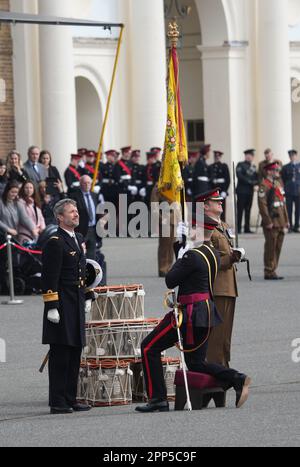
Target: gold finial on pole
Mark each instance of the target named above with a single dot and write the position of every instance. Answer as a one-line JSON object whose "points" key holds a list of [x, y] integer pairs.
{"points": [[173, 34]]}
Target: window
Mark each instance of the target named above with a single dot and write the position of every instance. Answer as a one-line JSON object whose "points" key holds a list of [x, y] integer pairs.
{"points": [[195, 132]]}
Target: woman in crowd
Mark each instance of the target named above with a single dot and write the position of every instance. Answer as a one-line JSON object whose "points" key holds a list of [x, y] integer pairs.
{"points": [[49, 201], [30, 201], [3, 176], [46, 160], [12, 213], [15, 171]]}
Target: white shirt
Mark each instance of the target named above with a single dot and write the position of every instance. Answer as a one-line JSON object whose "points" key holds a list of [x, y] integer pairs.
{"points": [[72, 235]]}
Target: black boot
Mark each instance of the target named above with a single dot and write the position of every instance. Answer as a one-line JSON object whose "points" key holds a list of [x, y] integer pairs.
{"points": [[154, 405], [241, 387]]}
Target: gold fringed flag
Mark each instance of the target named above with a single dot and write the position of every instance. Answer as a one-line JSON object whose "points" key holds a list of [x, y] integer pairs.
{"points": [[175, 150]]}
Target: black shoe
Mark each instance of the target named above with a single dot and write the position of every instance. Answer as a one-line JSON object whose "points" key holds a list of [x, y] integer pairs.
{"points": [[60, 410], [162, 274], [242, 390], [274, 278], [249, 232], [81, 407], [155, 405]]}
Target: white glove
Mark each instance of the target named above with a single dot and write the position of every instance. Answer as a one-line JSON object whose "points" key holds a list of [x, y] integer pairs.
{"points": [[241, 252], [143, 192], [97, 189], [183, 251], [224, 194], [133, 190], [75, 185], [182, 230], [53, 316], [88, 306]]}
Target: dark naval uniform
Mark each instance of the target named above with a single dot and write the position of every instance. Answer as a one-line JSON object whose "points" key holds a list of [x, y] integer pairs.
{"points": [[194, 274], [291, 180], [247, 180], [63, 283]]}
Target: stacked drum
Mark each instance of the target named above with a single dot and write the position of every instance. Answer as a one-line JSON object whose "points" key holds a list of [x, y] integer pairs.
{"points": [[111, 370]]}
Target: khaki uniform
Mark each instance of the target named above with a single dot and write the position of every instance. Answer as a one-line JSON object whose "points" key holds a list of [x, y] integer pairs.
{"points": [[273, 211], [225, 294]]}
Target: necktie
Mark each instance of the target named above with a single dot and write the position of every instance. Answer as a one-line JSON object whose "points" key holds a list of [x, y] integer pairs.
{"points": [[36, 169], [90, 209], [75, 240]]}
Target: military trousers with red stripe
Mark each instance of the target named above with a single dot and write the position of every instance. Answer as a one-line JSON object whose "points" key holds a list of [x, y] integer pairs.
{"points": [[165, 336]]}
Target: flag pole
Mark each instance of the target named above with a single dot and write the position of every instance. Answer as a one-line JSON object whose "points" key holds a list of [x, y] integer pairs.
{"points": [[173, 35], [107, 108]]}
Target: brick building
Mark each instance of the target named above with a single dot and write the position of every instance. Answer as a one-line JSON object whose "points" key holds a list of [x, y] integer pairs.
{"points": [[7, 118]]}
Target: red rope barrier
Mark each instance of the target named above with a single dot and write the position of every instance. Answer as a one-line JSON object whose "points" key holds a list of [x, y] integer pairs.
{"points": [[3, 246], [27, 250]]}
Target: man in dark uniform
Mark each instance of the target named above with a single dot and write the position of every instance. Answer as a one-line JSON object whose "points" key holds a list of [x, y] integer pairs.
{"points": [[201, 182], [188, 174], [73, 173], [247, 180], [66, 301], [138, 175], [157, 164], [106, 177], [89, 167], [194, 274], [219, 176], [272, 208], [291, 180], [150, 176]]}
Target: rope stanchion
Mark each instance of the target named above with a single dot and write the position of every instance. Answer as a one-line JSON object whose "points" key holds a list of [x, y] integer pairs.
{"points": [[27, 250], [12, 300]]}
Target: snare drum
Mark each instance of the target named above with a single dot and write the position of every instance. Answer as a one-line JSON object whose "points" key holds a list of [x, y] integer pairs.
{"points": [[106, 383], [117, 339], [170, 366], [119, 302]]}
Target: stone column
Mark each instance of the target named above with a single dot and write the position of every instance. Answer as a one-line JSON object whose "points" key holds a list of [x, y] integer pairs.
{"points": [[273, 76], [147, 73], [58, 99]]}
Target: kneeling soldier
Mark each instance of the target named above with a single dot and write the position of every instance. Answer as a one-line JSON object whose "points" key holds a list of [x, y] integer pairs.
{"points": [[194, 274]]}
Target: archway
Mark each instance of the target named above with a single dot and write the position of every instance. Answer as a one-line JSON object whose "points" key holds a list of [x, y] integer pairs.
{"points": [[89, 114]]}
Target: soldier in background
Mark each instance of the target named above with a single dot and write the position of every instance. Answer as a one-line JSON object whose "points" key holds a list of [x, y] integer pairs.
{"points": [[247, 180], [272, 207], [291, 180], [219, 176], [201, 182], [106, 177], [157, 164], [150, 176], [90, 161], [138, 175], [188, 174], [73, 173]]}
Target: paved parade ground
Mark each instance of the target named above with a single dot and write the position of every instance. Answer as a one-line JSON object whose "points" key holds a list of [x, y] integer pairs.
{"points": [[267, 321]]}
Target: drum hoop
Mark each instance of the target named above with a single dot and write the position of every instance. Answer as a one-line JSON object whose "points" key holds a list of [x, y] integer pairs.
{"points": [[121, 323]]}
